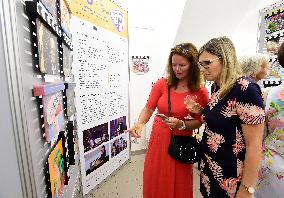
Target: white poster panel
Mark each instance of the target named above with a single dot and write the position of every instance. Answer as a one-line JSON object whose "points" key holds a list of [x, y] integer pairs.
{"points": [[101, 72]]}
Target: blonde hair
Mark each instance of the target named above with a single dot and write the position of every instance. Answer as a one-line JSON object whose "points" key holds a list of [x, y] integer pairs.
{"points": [[190, 53], [251, 63], [224, 48]]}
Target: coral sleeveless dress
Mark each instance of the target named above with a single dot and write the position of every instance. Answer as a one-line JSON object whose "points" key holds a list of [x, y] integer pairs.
{"points": [[163, 176]]}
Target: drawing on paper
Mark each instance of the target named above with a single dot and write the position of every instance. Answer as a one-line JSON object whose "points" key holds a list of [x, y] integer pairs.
{"points": [[53, 115], [56, 169]]}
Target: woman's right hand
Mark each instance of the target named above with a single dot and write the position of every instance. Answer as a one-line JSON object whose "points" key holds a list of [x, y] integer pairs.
{"points": [[136, 130], [192, 105]]}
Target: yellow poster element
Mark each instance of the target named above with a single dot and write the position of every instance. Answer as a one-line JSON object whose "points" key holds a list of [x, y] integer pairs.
{"points": [[103, 13]]}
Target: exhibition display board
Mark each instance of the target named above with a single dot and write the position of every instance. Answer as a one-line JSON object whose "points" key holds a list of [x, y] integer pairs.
{"points": [[100, 40], [270, 36], [72, 82], [46, 92], [67, 75]]}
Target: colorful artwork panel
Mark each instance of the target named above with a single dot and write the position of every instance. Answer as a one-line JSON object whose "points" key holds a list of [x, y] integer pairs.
{"points": [[47, 50], [65, 16], [57, 170], [117, 126], [118, 145], [51, 7], [96, 158], [275, 23], [95, 136], [53, 115], [47, 89]]}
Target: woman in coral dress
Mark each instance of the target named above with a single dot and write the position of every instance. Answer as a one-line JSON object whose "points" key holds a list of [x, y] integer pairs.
{"points": [[163, 176]]}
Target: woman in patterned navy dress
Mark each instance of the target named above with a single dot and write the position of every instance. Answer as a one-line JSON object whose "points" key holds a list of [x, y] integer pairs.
{"points": [[234, 126]]}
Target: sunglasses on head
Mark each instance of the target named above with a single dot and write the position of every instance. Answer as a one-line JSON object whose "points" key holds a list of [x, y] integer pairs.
{"points": [[183, 48], [205, 64]]}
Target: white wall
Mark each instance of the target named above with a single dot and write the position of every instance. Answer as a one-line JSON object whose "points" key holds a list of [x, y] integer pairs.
{"points": [[152, 30], [154, 26], [237, 19]]}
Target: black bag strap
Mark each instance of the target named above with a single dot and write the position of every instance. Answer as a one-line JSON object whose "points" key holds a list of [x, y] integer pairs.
{"points": [[169, 102], [170, 109]]}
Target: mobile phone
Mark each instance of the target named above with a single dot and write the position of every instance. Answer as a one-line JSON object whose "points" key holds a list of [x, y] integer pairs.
{"points": [[162, 116]]}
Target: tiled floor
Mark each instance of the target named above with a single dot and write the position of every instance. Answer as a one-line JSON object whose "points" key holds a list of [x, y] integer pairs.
{"points": [[127, 182]]}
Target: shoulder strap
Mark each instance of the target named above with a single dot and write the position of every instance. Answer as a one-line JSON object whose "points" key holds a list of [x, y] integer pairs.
{"points": [[169, 102]]}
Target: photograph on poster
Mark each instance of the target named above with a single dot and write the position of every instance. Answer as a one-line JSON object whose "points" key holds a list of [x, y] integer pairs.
{"points": [[95, 136], [47, 50], [65, 16], [53, 115], [140, 64], [67, 61], [96, 158], [50, 5], [117, 127], [56, 169], [118, 145]]}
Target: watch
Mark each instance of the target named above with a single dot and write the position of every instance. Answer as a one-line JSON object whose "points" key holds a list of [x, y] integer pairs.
{"points": [[183, 126], [249, 189]]}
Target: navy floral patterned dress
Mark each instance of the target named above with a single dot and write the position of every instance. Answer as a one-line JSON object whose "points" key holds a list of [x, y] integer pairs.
{"points": [[223, 142]]}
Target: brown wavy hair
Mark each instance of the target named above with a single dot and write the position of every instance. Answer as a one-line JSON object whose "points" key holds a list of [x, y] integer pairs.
{"points": [[190, 52]]}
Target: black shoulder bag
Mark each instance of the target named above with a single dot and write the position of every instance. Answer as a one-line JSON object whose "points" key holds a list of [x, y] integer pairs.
{"points": [[185, 149]]}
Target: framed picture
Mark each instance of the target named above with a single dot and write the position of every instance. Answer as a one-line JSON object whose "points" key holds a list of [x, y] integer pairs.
{"points": [[65, 16], [51, 6], [275, 22], [67, 61], [70, 142], [53, 115], [140, 64], [47, 50], [69, 99], [52, 108], [57, 168]]}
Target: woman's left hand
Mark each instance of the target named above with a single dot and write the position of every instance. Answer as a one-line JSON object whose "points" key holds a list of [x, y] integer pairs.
{"points": [[173, 122]]}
